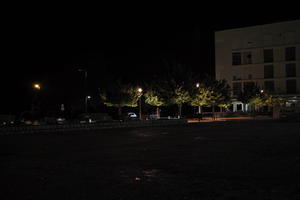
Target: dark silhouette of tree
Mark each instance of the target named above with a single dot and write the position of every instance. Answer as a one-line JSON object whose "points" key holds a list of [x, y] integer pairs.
{"points": [[249, 91]]}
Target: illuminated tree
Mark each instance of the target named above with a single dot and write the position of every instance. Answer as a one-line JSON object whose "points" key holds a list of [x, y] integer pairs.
{"points": [[211, 93], [177, 82], [265, 99], [119, 95], [275, 102], [153, 98], [180, 97], [201, 97]]}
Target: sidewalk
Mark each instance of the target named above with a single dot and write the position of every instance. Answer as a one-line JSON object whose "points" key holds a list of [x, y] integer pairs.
{"points": [[209, 119]]}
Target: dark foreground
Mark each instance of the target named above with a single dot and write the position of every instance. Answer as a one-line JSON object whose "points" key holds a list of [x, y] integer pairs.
{"points": [[224, 160]]}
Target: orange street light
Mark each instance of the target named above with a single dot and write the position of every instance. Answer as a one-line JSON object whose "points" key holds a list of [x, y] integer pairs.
{"points": [[37, 86], [140, 90]]}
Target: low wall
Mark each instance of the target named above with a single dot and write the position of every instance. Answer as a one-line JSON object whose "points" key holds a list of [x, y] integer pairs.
{"points": [[95, 126]]}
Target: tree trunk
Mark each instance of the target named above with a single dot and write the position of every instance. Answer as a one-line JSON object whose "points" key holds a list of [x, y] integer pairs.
{"points": [[179, 110], [213, 112], [199, 110], [276, 112], [119, 112], [221, 112], [157, 112]]}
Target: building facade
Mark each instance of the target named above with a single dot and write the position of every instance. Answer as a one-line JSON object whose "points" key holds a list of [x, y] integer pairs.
{"points": [[265, 55]]}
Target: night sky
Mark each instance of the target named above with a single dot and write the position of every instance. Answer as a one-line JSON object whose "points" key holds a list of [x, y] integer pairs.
{"points": [[50, 52]]}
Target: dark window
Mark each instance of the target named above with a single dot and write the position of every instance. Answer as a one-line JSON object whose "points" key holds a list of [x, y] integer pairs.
{"points": [[236, 59], [268, 55], [290, 53], [247, 58], [290, 70], [269, 86], [291, 86], [236, 88], [249, 76], [268, 71]]}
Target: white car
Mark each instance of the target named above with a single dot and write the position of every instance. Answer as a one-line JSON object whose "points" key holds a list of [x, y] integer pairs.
{"points": [[131, 115], [60, 120]]}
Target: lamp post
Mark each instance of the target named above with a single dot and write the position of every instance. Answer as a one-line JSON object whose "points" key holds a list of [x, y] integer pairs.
{"points": [[199, 108], [35, 106], [85, 88], [86, 102], [140, 90]]}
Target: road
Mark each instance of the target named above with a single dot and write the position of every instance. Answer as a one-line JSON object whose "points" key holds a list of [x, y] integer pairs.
{"points": [[221, 160]]}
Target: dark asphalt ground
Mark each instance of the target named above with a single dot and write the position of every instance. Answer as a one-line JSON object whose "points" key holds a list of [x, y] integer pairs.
{"points": [[221, 160]]}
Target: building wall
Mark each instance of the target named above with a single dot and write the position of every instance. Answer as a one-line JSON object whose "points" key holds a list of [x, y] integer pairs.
{"points": [[255, 40]]}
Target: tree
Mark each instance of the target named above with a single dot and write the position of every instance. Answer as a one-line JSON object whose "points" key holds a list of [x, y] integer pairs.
{"points": [[249, 92], [153, 98], [258, 100], [212, 93], [265, 99], [120, 95], [275, 102], [201, 97], [177, 79], [222, 91], [180, 97]]}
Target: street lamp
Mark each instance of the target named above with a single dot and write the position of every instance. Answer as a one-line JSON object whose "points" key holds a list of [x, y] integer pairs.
{"points": [[86, 102], [37, 86], [140, 90], [199, 109]]}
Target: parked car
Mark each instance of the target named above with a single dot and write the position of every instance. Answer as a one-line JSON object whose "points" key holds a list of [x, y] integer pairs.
{"points": [[61, 120], [153, 116], [131, 115]]}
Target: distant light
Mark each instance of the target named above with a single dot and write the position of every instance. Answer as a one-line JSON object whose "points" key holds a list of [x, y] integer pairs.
{"points": [[140, 90], [261, 91], [197, 85], [37, 86], [88, 97]]}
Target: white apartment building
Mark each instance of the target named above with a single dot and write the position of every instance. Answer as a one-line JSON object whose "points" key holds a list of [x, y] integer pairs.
{"points": [[266, 55]]}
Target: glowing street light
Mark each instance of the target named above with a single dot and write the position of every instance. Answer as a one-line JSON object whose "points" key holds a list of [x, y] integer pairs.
{"points": [[37, 86], [86, 102], [140, 90], [199, 108], [261, 91]]}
